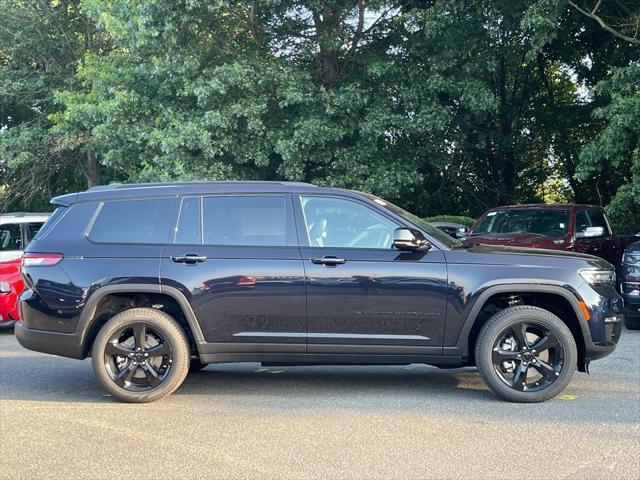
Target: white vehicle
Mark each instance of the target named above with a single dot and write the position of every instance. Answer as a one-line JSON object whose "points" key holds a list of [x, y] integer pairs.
{"points": [[16, 231]]}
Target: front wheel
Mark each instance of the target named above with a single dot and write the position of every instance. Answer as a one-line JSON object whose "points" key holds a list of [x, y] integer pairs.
{"points": [[526, 354], [141, 355]]}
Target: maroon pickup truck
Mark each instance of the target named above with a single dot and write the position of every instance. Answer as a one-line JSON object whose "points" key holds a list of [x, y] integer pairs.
{"points": [[578, 228]]}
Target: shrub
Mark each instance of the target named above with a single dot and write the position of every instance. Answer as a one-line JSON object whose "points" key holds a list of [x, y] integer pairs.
{"points": [[468, 221]]}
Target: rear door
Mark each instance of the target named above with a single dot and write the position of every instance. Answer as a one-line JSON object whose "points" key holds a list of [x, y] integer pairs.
{"points": [[236, 259]]}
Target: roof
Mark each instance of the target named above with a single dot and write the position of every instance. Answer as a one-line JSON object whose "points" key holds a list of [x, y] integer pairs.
{"points": [[150, 190], [23, 217]]}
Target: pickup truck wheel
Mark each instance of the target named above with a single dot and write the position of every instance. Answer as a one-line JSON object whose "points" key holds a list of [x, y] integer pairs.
{"points": [[526, 354], [141, 355]]}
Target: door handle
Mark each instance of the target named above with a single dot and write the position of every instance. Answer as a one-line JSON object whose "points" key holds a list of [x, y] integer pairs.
{"points": [[328, 261], [189, 258]]}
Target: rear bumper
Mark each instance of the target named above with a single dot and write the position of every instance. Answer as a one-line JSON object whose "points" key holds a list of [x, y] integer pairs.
{"points": [[54, 343]]}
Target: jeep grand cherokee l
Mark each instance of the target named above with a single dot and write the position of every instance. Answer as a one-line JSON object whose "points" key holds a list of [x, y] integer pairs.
{"points": [[155, 280]]}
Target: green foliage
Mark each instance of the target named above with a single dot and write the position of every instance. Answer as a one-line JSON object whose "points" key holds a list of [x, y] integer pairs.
{"points": [[617, 145], [468, 221], [442, 106]]}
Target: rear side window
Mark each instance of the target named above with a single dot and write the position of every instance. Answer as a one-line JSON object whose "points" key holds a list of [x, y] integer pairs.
{"points": [[248, 220], [10, 237], [134, 221]]}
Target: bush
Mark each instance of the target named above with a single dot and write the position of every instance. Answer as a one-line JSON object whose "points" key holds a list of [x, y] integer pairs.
{"points": [[468, 221]]}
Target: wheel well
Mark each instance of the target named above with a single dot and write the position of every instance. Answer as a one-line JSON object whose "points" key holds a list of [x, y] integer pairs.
{"points": [[114, 303], [556, 304]]}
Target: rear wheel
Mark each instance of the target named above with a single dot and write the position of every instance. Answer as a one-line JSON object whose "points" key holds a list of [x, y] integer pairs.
{"points": [[526, 354], [141, 355]]}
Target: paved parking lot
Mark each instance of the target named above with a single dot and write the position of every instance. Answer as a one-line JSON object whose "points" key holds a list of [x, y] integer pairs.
{"points": [[244, 421]]}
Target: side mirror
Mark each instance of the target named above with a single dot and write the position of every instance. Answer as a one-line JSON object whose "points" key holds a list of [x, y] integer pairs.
{"points": [[591, 232], [410, 239]]}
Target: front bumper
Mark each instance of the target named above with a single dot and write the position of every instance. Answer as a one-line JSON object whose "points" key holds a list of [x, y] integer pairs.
{"points": [[605, 323], [631, 305]]}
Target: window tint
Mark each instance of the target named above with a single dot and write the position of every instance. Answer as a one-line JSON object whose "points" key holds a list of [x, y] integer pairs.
{"points": [[335, 222], [134, 221], [597, 220], [10, 237], [188, 230], [247, 220]]}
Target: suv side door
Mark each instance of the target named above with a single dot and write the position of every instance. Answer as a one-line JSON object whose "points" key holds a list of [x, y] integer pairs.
{"points": [[363, 295], [235, 258]]}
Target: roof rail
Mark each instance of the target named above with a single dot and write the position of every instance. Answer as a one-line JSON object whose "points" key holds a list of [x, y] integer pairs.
{"points": [[121, 186]]}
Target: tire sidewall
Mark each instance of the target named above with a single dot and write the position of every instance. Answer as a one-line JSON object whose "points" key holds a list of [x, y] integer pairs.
{"points": [[496, 325], [174, 335]]}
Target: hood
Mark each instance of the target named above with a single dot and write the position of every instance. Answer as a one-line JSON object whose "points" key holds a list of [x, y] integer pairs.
{"points": [[529, 240], [499, 254]]}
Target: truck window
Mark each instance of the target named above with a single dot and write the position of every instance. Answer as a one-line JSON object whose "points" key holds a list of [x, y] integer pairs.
{"points": [[10, 237], [598, 220]]}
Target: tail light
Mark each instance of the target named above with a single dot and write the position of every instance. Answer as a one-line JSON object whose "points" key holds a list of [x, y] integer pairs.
{"points": [[41, 259]]}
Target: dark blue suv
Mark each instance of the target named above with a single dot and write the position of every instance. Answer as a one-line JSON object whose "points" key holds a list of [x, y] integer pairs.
{"points": [[155, 280]]}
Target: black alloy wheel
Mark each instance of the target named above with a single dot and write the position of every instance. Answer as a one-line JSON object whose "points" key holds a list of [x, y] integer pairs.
{"points": [[141, 355], [527, 356], [138, 357]]}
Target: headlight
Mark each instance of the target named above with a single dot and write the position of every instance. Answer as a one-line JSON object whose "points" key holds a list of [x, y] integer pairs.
{"points": [[631, 258], [598, 277], [5, 287]]}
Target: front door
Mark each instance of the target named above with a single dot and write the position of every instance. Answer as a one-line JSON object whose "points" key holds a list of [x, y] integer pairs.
{"points": [[363, 295], [236, 259]]}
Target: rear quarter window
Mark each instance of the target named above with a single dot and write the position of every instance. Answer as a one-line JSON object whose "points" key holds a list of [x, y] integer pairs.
{"points": [[145, 221]]}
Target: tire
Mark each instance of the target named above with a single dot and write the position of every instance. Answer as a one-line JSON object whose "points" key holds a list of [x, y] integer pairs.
{"points": [[135, 374], [632, 323], [500, 347], [196, 365]]}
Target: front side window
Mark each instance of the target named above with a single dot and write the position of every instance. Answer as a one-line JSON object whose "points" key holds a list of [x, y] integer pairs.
{"points": [[10, 237], [248, 221], [596, 217], [336, 222], [134, 221]]}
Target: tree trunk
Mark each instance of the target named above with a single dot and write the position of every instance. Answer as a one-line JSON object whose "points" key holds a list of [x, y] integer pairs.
{"points": [[92, 170]]}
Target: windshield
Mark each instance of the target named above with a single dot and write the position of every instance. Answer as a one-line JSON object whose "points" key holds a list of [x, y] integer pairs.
{"points": [[418, 222], [550, 222]]}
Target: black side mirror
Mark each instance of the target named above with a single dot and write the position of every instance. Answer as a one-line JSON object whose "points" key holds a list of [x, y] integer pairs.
{"points": [[410, 239]]}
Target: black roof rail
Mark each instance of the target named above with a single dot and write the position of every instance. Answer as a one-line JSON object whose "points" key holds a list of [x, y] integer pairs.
{"points": [[121, 186]]}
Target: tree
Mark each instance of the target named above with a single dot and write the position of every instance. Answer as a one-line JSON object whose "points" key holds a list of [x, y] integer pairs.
{"points": [[41, 44]]}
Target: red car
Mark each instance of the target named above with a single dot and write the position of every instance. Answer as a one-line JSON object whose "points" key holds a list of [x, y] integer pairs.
{"points": [[573, 227], [16, 231]]}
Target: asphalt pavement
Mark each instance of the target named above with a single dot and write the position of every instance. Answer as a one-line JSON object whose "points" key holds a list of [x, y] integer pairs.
{"points": [[246, 421]]}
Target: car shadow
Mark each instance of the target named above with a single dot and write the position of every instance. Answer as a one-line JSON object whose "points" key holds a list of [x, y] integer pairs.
{"points": [[34, 377]]}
